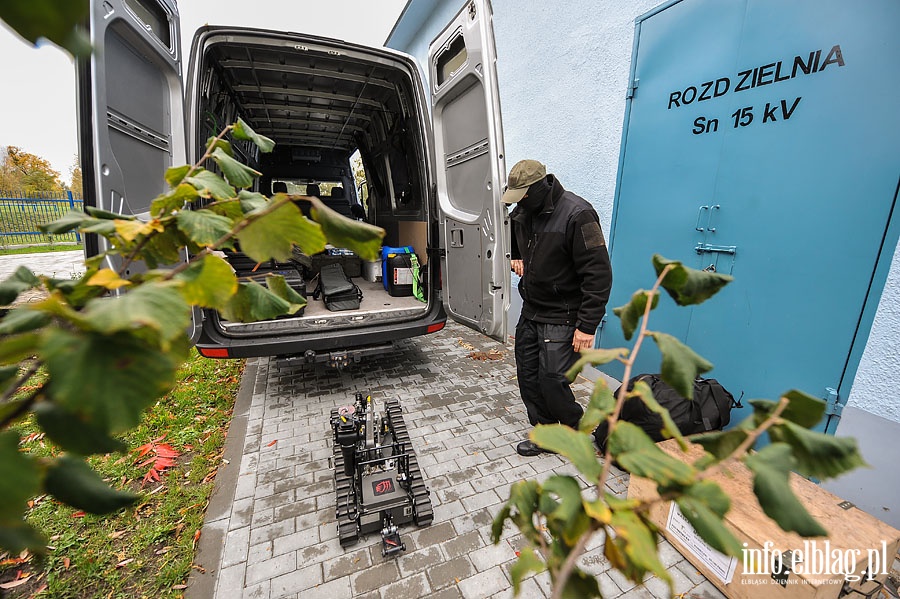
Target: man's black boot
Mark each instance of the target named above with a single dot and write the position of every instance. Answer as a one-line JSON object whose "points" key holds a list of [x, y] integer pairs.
{"points": [[528, 449]]}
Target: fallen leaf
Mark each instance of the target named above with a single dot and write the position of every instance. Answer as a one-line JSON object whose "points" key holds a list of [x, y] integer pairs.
{"points": [[151, 475], [179, 587], [483, 356], [211, 475], [196, 538], [15, 583], [78, 515], [66, 563], [117, 534], [163, 463], [166, 451], [272, 443], [124, 562]]}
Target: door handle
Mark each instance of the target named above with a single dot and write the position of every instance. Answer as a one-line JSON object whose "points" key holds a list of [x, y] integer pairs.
{"points": [[697, 227], [709, 222]]}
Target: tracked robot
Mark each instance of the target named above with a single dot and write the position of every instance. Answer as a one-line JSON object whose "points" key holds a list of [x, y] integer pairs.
{"points": [[377, 477]]}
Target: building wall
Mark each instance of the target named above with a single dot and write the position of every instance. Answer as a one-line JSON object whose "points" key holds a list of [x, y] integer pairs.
{"points": [[563, 75], [876, 388]]}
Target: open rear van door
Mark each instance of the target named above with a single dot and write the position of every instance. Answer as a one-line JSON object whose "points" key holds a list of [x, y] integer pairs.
{"points": [[471, 171], [130, 107]]}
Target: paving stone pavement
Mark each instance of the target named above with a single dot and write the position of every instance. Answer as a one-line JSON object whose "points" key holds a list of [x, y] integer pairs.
{"points": [[271, 532], [53, 264]]}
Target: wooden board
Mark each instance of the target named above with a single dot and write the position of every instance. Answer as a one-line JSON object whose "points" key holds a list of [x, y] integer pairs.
{"points": [[855, 538]]}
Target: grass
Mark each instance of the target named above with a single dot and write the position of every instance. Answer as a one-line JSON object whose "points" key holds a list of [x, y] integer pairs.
{"points": [[146, 550], [40, 249]]}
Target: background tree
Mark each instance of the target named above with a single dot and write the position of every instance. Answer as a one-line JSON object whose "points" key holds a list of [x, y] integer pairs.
{"points": [[24, 171], [75, 172]]}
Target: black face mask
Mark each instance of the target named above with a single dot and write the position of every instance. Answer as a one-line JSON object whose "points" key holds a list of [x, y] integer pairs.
{"points": [[537, 194]]}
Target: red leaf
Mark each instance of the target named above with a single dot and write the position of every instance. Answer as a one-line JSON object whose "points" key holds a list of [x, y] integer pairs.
{"points": [[163, 463], [78, 515], [66, 563], [272, 443], [146, 462], [144, 449], [166, 451]]}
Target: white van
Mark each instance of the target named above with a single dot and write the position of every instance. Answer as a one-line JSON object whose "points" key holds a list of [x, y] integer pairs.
{"points": [[433, 161]]}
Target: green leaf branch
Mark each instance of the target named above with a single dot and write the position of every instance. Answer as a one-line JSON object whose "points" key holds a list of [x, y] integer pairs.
{"points": [[558, 520], [87, 359]]}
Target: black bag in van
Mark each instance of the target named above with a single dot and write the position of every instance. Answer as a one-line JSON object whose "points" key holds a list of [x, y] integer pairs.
{"points": [[293, 276], [338, 292], [709, 410]]}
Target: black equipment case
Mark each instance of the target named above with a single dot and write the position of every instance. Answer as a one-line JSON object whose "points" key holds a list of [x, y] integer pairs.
{"points": [[247, 270], [338, 292]]}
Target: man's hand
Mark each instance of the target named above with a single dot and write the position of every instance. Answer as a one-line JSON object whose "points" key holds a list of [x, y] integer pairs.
{"points": [[518, 267], [582, 341]]}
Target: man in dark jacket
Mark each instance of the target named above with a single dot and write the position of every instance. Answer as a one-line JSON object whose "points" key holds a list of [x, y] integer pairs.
{"points": [[559, 251]]}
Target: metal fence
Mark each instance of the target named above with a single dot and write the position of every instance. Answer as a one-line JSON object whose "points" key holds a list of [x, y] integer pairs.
{"points": [[21, 217]]}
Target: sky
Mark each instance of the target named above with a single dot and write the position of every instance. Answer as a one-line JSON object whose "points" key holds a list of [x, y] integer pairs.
{"points": [[37, 106]]}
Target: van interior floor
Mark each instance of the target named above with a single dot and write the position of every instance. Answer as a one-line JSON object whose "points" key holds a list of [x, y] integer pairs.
{"points": [[375, 299]]}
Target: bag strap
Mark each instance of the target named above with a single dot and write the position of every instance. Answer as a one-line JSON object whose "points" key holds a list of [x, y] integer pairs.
{"points": [[417, 289]]}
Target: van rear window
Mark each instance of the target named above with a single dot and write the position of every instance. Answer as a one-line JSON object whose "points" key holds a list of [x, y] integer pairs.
{"points": [[154, 17], [450, 60]]}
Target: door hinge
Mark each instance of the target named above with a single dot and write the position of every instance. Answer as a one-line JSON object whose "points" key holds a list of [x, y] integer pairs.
{"points": [[632, 88], [833, 404]]}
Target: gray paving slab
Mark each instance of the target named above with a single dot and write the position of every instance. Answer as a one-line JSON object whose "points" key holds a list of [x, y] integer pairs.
{"points": [[271, 532], [52, 264]]}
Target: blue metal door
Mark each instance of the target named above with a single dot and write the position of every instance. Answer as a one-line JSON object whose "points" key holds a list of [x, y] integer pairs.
{"points": [[762, 141]]}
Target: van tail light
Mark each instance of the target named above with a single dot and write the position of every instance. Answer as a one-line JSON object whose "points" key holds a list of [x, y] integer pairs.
{"points": [[434, 328], [214, 352]]}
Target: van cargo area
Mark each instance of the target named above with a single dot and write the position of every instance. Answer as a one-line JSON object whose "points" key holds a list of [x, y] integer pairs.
{"points": [[324, 103]]}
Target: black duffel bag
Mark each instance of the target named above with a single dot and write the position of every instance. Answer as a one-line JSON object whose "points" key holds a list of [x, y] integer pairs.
{"points": [[709, 410], [338, 292]]}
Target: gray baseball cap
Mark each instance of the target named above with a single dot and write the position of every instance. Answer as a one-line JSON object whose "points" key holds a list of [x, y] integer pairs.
{"points": [[521, 176]]}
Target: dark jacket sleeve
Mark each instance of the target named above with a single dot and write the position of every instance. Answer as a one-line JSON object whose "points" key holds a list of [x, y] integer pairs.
{"points": [[514, 253], [591, 260]]}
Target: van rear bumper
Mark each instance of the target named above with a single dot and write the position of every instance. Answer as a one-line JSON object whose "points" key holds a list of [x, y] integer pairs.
{"points": [[212, 344]]}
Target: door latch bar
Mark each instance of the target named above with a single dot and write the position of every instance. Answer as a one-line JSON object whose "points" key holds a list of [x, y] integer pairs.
{"points": [[704, 248]]}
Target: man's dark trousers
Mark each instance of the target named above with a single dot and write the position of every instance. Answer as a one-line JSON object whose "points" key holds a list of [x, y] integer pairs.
{"points": [[543, 355]]}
